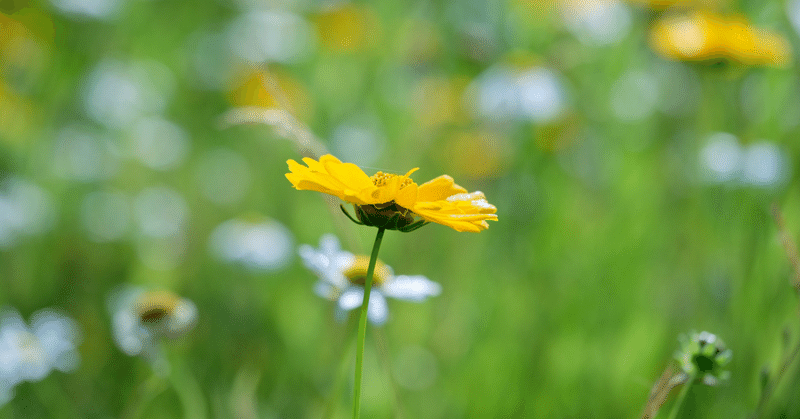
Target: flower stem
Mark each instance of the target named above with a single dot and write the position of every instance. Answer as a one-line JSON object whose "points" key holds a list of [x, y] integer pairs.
{"points": [[362, 324], [684, 391]]}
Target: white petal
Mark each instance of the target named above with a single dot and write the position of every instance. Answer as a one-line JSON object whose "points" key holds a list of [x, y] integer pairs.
{"points": [[351, 298], [329, 244], [378, 310], [327, 262], [412, 288]]}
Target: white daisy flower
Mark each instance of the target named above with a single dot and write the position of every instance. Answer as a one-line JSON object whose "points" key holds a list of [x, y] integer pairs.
{"points": [[31, 353], [259, 244], [342, 276], [140, 318]]}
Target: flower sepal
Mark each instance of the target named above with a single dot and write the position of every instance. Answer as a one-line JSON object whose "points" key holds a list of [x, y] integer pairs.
{"points": [[387, 216]]}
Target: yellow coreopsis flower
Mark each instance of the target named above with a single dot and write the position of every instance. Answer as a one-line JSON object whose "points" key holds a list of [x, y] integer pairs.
{"points": [[393, 201], [708, 36]]}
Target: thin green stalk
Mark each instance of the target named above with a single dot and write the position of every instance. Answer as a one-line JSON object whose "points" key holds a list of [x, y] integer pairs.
{"points": [[362, 323], [684, 391]]}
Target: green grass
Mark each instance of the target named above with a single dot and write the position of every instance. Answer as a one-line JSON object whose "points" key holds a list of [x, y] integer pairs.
{"points": [[570, 306]]}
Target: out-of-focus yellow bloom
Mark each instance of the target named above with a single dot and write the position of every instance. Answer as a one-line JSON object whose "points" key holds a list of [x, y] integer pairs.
{"points": [[16, 114], [477, 154], [394, 197], [347, 29], [25, 39], [438, 101], [703, 36], [252, 90], [664, 4]]}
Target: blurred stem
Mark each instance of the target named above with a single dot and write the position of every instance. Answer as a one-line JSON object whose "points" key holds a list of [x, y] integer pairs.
{"points": [[147, 392], [766, 394], [332, 405], [684, 391], [188, 390], [362, 323]]}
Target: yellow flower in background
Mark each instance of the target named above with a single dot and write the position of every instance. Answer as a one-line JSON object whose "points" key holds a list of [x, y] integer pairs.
{"points": [[392, 201], [251, 89], [348, 28], [663, 4], [476, 153], [703, 36]]}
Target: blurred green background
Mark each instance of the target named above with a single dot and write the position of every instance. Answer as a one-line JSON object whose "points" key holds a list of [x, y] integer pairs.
{"points": [[633, 195]]}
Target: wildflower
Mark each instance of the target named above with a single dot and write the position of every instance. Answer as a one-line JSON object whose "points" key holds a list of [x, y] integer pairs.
{"points": [[257, 243], [703, 36], [31, 353], [140, 318], [392, 201], [252, 89], [703, 356], [342, 275], [348, 29]]}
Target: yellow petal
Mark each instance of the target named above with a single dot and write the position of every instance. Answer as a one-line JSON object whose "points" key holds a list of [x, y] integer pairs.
{"points": [[347, 173], [438, 189], [462, 213], [407, 196]]}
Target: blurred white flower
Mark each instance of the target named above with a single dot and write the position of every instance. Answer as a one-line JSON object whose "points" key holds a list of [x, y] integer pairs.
{"points": [[793, 13], [271, 36], [762, 164], [158, 143], [262, 245], [342, 276], [141, 318], [31, 353], [118, 94], [98, 9], [765, 165], [536, 94], [597, 22], [721, 157], [25, 209]]}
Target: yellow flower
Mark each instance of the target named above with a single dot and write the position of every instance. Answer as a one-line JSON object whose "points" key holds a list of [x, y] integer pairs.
{"points": [[707, 36], [392, 201]]}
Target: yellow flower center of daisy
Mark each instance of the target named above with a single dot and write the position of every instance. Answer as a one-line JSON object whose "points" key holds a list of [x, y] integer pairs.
{"points": [[357, 271], [153, 307], [381, 179]]}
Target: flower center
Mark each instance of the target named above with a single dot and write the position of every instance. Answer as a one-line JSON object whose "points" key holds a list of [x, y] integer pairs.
{"points": [[154, 307], [357, 271], [31, 348], [381, 179], [704, 363]]}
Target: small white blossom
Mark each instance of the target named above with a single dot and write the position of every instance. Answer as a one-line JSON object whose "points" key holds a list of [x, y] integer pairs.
{"points": [[31, 353], [338, 281], [140, 318]]}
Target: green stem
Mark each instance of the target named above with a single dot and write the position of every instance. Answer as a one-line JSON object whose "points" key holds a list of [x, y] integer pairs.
{"points": [[362, 323], [684, 391]]}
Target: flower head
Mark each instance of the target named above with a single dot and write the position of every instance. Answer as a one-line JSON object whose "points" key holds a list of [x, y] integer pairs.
{"points": [[342, 275], [703, 36], [704, 356], [394, 201], [31, 353], [140, 318]]}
